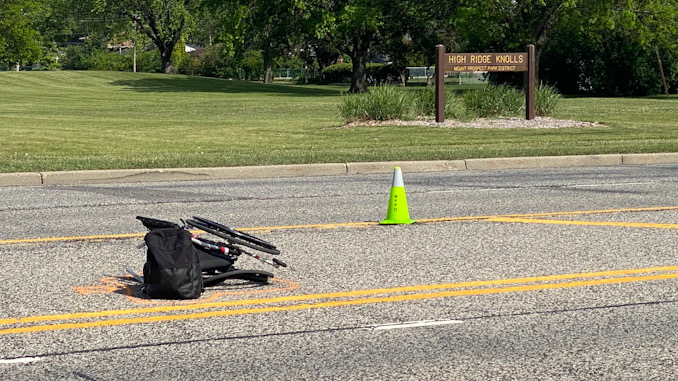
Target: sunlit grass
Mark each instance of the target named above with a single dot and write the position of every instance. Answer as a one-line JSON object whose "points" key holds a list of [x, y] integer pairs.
{"points": [[94, 120]]}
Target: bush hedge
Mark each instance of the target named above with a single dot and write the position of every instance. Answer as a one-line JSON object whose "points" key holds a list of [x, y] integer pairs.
{"points": [[383, 103], [391, 102], [83, 58]]}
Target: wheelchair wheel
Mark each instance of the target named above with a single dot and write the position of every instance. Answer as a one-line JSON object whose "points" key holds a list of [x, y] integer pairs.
{"points": [[234, 233], [230, 238]]}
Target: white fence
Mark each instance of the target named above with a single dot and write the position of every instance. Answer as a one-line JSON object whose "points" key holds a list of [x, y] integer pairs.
{"points": [[424, 73]]}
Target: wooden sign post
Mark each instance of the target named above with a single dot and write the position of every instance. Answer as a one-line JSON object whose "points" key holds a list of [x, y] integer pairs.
{"points": [[493, 62]]}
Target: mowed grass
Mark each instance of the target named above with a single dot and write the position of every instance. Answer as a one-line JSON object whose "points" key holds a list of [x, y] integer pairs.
{"points": [[98, 120]]}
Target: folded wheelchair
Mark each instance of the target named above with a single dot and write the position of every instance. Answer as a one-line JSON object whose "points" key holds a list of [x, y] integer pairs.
{"points": [[217, 257]]}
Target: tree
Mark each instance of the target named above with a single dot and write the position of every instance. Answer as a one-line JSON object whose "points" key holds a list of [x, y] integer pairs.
{"points": [[600, 46], [20, 41], [610, 49], [163, 21], [510, 25], [353, 26], [411, 31], [270, 26]]}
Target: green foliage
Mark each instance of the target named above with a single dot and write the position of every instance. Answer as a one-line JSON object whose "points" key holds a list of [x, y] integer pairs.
{"points": [[102, 60], [493, 101], [179, 54], [392, 102], [289, 61], [377, 74], [86, 58], [253, 65], [337, 73], [215, 62], [190, 65], [149, 62], [380, 74], [75, 58], [20, 41], [609, 64], [425, 101], [545, 100], [163, 22], [382, 103]]}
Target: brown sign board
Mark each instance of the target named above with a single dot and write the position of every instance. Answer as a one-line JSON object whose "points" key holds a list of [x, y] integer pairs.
{"points": [[458, 62], [485, 62]]}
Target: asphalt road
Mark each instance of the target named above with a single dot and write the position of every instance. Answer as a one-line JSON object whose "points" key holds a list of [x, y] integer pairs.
{"points": [[516, 274]]}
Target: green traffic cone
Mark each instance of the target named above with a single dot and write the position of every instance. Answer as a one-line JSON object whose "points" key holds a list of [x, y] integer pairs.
{"points": [[397, 203]]}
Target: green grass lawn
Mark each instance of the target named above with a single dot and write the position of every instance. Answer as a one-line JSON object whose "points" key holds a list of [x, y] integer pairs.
{"points": [[96, 120]]}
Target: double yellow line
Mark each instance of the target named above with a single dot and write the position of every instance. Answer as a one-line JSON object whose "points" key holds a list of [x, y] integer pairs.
{"points": [[334, 299]]}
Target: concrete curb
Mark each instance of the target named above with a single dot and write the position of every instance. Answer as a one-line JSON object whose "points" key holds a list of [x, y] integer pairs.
{"points": [[330, 169], [407, 166], [650, 158], [190, 174], [20, 179], [544, 162]]}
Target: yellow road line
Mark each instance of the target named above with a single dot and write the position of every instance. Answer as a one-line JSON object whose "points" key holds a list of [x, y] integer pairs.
{"points": [[335, 295], [336, 303], [74, 238], [553, 214], [586, 223], [348, 224]]}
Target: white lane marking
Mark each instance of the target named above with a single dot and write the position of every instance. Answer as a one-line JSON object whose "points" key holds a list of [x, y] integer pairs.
{"points": [[411, 324], [606, 184], [540, 187], [21, 360]]}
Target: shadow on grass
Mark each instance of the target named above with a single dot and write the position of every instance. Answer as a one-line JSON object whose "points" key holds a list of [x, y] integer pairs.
{"points": [[213, 85]]}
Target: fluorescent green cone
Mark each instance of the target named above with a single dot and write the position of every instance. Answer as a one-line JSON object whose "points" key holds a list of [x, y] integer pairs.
{"points": [[397, 203]]}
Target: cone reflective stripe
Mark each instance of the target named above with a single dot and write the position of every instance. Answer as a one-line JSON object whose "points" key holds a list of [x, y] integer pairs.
{"points": [[397, 203]]}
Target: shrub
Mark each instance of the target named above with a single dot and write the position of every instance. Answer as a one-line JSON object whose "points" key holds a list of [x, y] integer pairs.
{"points": [[545, 99], [213, 63], [425, 101], [103, 60], [494, 100], [190, 65], [149, 62], [75, 58], [382, 103], [253, 65], [337, 73], [380, 74]]}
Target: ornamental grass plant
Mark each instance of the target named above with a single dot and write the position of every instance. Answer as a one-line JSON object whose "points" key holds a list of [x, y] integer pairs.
{"points": [[495, 101], [395, 103], [545, 100], [425, 100], [381, 103]]}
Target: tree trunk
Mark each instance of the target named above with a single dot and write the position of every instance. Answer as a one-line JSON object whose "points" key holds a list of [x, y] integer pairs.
{"points": [[359, 58], [268, 64], [166, 58], [268, 75]]}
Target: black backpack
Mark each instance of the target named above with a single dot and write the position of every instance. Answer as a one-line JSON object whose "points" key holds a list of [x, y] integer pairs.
{"points": [[172, 269]]}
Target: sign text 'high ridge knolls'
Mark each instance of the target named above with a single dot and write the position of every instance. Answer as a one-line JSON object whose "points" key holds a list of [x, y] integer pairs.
{"points": [[486, 62]]}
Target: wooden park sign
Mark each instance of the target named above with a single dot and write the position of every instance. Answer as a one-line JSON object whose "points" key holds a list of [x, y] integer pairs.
{"points": [[493, 62]]}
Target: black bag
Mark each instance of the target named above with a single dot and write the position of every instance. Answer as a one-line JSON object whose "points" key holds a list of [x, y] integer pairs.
{"points": [[172, 269]]}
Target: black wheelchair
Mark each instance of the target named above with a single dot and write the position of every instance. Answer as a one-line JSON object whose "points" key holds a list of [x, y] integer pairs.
{"points": [[217, 258]]}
